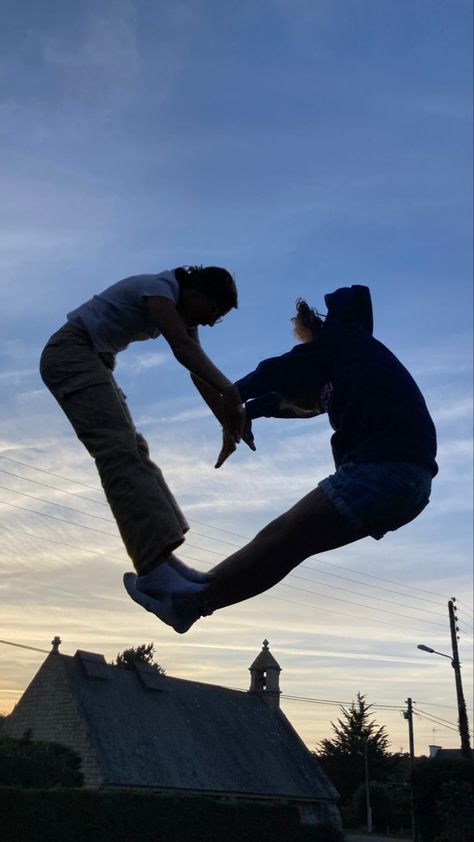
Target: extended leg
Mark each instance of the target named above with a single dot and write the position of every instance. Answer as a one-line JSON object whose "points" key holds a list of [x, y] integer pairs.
{"points": [[149, 520], [311, 526]]}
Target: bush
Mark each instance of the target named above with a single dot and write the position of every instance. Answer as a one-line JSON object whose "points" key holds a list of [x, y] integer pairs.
{"points": [[455, 812], [380, 802], [24, 763], [444, 799], [126, 816]]}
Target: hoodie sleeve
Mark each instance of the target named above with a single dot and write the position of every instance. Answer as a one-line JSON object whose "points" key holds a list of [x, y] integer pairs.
{"points": [[272, 406], [281, 374]]}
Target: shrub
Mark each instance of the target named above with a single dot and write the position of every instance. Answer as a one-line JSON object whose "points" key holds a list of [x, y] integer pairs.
{"points": [[24, 763], [81, 815]]}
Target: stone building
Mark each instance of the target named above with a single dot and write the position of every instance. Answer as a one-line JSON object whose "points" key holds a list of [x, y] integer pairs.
{"points": [[138, 728]]}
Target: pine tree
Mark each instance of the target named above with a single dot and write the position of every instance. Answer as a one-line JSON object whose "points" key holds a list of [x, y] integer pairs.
{"points": [[143, 654], [343, 757]]}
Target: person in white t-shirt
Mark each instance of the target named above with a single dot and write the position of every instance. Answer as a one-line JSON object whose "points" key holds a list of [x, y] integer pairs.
{"points": [[76, 365]]}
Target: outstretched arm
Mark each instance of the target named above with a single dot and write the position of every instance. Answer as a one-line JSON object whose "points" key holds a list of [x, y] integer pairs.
{"points": [[212, 398], [187, 350]]}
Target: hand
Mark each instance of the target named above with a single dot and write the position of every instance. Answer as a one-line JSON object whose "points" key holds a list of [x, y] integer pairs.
{"points": [[229, 445], [247, 435], [233, 413]]}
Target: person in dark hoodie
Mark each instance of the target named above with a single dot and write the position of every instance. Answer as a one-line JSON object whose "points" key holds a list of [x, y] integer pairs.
{"points": [[384, 449]]}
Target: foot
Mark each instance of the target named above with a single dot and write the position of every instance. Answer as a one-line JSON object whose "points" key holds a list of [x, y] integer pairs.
{"points": [[186, 572], [180, 611], [166, 579]]}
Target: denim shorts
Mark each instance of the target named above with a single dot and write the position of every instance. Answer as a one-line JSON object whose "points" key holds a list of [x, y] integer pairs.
{"points": [[378, 497]]}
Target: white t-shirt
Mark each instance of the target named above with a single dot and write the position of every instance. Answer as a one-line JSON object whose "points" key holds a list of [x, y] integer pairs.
{"points": [[118, 315]]}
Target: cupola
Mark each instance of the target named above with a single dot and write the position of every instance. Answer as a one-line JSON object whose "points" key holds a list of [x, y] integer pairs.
{"points": [[265, 677]]}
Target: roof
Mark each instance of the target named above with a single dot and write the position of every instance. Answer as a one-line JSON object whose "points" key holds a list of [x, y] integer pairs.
{"points": [[448, 753], [265, 660], [151, 730]]}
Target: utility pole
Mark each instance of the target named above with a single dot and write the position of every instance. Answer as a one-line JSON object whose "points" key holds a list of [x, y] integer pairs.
{"points": [[408, 714], [463, 723], [367, 787]]}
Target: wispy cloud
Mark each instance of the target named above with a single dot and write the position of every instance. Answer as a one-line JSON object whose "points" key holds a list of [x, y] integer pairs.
{"points": [[137, 363]]}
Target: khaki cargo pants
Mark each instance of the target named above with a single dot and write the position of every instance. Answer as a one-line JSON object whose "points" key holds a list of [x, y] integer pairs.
{"points": [[149, 519]]}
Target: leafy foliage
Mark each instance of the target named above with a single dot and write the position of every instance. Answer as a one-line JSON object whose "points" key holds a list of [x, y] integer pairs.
{"points": [[122, 816], [380, 802], [28, 764], [444, 799], [342, 758], [143, 654]]}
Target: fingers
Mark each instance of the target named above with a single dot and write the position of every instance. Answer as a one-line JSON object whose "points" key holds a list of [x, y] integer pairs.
{"points": [[229, 444], [247, 434], [223, 455]]}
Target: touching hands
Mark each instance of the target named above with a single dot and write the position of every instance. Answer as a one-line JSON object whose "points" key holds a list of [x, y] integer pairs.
{"points": [[233, 413], [229, 443]]}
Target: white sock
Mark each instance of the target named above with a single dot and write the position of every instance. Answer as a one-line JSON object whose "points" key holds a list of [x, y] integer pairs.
{"points": [[164, 581], [186, 572]]}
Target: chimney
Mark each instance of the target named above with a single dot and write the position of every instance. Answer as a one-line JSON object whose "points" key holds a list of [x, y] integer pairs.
{"points": [[265, 677]]}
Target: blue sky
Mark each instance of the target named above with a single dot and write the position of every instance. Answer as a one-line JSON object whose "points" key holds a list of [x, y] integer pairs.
{"points": [[304, 146]]}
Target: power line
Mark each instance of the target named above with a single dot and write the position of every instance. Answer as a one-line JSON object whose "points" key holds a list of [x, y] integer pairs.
{"points": [[87, 485], [333, 702], [201, 523], [268, 596], [236, 534], [440, 720], [192, 558], [369, 607], [207, 549], [378, 598], [108, 520], [367, 584], [23, 646], [435, 721]]}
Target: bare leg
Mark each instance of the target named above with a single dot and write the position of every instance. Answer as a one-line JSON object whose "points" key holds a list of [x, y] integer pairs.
{"points": [[311, 526]]}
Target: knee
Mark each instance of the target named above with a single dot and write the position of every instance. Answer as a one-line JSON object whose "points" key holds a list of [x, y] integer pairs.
{"points": [[275, 536]]}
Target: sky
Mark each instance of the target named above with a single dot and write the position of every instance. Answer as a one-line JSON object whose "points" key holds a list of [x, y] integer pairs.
{"points": [[303, 145]]}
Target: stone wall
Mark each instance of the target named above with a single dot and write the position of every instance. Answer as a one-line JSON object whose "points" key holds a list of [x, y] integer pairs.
{"points": [[48, 711]]}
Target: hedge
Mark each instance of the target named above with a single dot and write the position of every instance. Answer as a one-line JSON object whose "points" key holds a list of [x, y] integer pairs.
{"points": [[444, 798], [79, 815], [25, 763]]}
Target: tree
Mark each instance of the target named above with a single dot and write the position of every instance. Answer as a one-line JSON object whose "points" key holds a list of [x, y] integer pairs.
{"points": [[380, 802], [445, 800], [343, 757], [143, 654]]}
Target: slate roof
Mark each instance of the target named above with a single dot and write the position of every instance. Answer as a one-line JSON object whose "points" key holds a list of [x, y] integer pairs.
{"points": [[158, 731], [448, 753], [265, 660]]}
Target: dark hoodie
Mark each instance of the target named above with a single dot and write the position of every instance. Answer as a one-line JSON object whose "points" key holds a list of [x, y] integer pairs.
{"points": [[374, 406]]}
